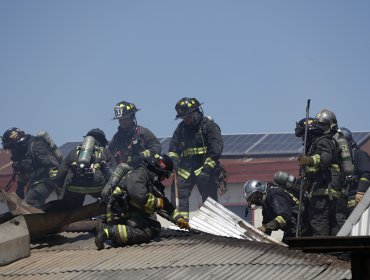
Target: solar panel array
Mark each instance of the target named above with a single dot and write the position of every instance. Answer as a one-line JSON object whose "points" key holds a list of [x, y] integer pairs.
{"points": [[253, 145]]}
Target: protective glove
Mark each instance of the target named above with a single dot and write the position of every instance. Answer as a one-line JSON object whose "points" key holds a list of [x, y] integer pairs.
{"points": [[106, 193], [204, 176], [305, 160], [23, 166], [182, 223], [265, 229], [359, 196], [262, 228]]}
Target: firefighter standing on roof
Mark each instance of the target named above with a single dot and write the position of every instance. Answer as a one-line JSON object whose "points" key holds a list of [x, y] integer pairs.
{"points": [[131, 142], [34, 165], [325, 173], [360, 183], [313, 131], [85, 170], [195, 149], [129, 145]]}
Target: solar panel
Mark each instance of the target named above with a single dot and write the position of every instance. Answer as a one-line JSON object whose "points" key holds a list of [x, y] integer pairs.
{"points": [[239, 144], [360, 137], [275, 144], [278, 144]]}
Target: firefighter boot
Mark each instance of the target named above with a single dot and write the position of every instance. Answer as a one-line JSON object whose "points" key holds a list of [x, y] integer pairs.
{"points": [[102, 234]]}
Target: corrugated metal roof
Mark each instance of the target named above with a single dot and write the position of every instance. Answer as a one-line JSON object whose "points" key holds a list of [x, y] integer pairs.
{"points": [[175, 255], [215, 219]]}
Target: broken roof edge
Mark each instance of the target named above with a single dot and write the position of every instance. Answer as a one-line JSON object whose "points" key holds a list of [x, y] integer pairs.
{"points": [[213, 218]]}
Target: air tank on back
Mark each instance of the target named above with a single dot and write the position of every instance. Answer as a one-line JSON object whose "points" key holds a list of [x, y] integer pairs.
{"points": [[345, 155], [84, 157], [285, 179], [54, 149]]}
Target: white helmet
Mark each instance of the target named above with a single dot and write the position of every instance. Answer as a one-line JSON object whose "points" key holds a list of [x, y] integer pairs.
{"points": [[252, 186]]}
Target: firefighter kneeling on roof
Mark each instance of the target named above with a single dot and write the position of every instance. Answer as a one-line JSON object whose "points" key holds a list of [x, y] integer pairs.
{"points": [[132, 206]]}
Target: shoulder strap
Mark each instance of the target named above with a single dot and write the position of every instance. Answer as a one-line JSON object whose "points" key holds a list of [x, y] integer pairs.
{"points": [[204, 126], [138, 131], [32, 143]]}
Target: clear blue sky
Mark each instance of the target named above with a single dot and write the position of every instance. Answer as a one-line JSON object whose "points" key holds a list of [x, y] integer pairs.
{"points": [[65, 64]]}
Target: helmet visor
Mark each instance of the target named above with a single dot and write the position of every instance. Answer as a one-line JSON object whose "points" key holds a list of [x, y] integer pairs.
{"points": [[256, 199]]}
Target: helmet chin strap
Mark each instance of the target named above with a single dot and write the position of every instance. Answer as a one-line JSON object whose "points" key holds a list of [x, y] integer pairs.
{"points": [[196, 117], [263, 198]]}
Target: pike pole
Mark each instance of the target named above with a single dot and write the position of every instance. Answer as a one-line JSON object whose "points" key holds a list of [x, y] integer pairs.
{"points": [[302, 170]]}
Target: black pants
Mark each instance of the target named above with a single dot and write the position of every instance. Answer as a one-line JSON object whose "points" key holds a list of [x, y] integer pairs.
{"points": [[185, 187], [75, 200], [38, 192], [135, 230], [327, 216]]}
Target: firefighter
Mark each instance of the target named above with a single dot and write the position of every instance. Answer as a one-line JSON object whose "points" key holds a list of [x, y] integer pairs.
{"points": [[85, 170], [313, 131], [279, 207], [131, 207], [360, 183], [324, 172], [132, 141], [34, 165], [195, 149]]}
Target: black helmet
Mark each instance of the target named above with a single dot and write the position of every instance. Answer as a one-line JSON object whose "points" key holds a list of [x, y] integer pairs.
{"points": [[160, 164], [12, 137], [301, 126], [99, 136], [124, 109], [186, 106], [327, 120], [313, 128]]}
